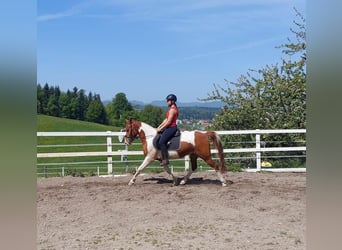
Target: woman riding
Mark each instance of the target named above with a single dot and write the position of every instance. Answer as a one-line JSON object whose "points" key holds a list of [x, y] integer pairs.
{"points": [[168, 127]]}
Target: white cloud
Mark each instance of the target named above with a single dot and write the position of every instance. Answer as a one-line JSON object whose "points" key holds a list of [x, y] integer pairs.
{"points": [[225, 51], [73, 10], [161, 11]]}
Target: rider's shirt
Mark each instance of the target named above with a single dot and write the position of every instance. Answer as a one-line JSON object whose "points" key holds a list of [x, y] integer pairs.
{"points": [[175, 117]]}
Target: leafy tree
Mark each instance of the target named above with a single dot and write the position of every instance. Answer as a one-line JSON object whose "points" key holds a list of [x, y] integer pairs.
{"points": [[69, 104], [96, 111], [119, 109], [82, 104], [270, 98], [53, 106], [273, 97], [64, 102], [152, 115], [45, 98], [40, 96]]}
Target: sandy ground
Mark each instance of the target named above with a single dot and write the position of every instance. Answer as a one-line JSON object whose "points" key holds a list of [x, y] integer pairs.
{"points": [[255, 211]]}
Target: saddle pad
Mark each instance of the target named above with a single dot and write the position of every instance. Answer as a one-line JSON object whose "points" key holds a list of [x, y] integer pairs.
{"points": [[173, 144]]}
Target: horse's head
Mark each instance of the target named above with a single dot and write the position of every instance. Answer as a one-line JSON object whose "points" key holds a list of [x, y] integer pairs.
{"points": [[132, 130]]}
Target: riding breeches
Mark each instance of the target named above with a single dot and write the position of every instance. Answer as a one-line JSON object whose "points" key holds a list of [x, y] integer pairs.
{"points": [[165, 137]]}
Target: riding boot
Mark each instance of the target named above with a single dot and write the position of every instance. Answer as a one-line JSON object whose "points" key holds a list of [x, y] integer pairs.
{"points": [[165, 155]]}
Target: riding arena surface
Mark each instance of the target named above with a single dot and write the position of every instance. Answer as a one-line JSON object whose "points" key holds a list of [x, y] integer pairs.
{"points": [[255, 211]]}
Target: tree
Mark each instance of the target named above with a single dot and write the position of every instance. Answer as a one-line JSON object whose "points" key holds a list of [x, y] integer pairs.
{"points": [[53, 106], [152, 115], [68, 102], [119, 109], [96, 111], [40, 96], [45, 98], [82, 104], [271, 98]]}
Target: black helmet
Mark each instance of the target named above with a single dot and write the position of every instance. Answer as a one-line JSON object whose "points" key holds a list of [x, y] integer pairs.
{"points": [[171, 97]]}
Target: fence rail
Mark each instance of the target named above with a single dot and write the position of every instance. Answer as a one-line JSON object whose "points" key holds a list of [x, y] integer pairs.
{"points": [[109, 153]]}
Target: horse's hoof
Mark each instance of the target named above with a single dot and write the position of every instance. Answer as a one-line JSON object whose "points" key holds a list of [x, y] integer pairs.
{"points": [[183, 182], [224, 184], [175, 182], [130, 183]]}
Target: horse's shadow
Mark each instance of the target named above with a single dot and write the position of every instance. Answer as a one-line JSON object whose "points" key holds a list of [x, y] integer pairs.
{"points": [[191, 181]]}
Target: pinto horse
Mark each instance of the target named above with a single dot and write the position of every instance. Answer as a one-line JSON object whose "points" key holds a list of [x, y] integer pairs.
{"points": [[193, 143]]}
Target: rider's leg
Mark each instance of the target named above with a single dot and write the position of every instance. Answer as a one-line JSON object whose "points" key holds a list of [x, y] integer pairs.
{"points": [[164, 153], [164, 138]]}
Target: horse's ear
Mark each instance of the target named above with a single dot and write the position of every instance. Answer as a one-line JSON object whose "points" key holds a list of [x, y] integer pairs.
{"points": [[130, 119]]}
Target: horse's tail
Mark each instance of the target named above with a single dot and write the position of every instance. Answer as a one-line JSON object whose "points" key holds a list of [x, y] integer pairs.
{"points": [[217, 142]]}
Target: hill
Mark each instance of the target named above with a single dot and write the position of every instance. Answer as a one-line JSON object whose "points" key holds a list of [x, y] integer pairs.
{"points": [[47, 123]]}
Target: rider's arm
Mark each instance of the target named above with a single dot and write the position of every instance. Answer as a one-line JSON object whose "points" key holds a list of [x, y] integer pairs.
{"points": [[167, 121]]}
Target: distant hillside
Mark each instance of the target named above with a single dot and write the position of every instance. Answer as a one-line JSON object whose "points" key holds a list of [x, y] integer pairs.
{"points": [[140, 105], [214, 104], [198, 113]]}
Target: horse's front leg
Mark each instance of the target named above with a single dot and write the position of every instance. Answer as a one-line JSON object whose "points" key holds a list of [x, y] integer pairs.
{"points": [[186, 177], [144, 164]]}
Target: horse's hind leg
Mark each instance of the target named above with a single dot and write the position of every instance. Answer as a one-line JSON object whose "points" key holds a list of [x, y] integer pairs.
{"points": [[193, 159], [217, 170], [168, 170]]}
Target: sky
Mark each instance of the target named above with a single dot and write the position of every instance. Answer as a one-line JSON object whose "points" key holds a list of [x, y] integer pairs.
{"points": [[148, 49]]}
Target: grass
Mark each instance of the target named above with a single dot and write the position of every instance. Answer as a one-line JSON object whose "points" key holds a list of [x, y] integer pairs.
{"points": [[55, 124], [76, 166]]}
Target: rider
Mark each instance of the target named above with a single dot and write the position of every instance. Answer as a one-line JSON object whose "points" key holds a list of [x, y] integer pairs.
{"points": [[168, 127]]}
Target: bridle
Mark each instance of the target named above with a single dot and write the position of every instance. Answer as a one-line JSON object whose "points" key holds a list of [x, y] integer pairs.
{"points": [[130, 132]]}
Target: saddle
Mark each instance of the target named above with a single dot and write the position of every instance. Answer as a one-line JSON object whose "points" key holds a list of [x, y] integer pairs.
{"points": [[173, 144]]}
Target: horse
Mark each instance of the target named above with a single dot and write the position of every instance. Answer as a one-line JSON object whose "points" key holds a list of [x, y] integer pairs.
{"points": [[193, 143]]}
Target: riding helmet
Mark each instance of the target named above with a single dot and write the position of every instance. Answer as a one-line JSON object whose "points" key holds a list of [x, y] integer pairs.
{"points": [[171, 97]]}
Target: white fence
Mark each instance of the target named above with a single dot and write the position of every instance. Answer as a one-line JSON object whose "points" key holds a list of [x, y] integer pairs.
{"points": [[109, 153]]}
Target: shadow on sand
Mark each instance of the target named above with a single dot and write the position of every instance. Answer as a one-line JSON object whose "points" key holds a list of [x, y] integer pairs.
{"points": [[191, 181]]}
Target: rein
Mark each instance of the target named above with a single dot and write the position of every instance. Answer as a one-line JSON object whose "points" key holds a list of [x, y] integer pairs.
{"points": [[130, 133]]}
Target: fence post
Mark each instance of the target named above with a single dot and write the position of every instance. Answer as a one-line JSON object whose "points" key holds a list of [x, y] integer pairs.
{"points": [[258, 153], [126, 158], [109, 151], [186, 162]]}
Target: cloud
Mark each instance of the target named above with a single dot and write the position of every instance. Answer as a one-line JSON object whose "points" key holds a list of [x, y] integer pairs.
{"points": [[159, 11], [225, 51], [73, 10], [48, 17]]}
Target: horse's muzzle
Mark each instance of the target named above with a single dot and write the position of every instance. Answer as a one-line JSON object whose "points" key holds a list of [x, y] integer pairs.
{"points": [[128, 141]]}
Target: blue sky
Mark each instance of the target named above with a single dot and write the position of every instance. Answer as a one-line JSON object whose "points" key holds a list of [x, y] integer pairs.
{"points": [[148, 48]]}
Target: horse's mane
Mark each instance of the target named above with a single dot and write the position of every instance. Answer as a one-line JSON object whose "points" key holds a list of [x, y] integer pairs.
{"points": [[147, 125]]}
